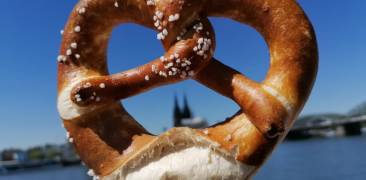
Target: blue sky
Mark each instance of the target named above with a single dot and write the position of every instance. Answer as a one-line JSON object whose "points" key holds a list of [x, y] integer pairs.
{"points": [[30, 39]]}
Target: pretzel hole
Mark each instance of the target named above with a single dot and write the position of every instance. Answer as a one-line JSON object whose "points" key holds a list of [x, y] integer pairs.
{"points": [[132, 45], [241, 47], [142, 47], [157, 114]]}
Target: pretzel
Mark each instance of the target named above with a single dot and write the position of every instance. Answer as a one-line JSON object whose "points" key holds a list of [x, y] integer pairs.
{"points": [[115, 146]]}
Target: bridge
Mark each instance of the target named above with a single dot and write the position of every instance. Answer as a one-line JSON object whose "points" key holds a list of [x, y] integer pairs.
{"points": [[351, 126]]}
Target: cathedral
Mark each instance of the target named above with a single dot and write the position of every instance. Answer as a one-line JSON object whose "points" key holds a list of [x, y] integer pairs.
{"points": [[183, 117]]}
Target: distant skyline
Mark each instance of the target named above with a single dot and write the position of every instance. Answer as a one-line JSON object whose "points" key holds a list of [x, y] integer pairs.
{"points": [[30, 41]]}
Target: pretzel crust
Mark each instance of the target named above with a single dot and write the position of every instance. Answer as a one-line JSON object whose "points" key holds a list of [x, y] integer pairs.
{"points": [[107, 137]]}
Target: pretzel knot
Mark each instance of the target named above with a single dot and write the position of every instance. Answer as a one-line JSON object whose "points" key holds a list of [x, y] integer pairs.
{"points": [[116, 146], [189, 41]]}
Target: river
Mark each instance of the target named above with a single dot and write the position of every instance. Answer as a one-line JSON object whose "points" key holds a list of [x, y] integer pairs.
{"points": [[331, 158]]}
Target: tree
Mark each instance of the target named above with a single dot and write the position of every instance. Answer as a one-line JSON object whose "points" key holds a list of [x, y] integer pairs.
{"points": [[36, 153]]}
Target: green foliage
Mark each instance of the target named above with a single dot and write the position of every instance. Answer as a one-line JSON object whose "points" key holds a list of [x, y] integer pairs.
{"points": [[47, 152], [52, 152], [36, 153]]}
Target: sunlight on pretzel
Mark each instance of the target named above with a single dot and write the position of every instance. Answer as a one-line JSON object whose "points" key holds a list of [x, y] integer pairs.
{"points": [[115, 146]]}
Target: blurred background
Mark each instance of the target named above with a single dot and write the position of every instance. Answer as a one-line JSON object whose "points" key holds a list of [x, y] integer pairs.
{"points": [[327, 142]]}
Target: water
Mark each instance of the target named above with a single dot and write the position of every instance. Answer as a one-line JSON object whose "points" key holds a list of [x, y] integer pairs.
{"points": [[49, 173], [323, 159], [333, 158]]}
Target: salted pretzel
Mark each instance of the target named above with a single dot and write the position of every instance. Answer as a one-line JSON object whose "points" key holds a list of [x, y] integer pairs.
{"points": [[115, 146]]}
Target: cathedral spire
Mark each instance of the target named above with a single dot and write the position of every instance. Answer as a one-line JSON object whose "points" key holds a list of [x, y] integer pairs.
{"points": [[186, 110], [177, 114]]}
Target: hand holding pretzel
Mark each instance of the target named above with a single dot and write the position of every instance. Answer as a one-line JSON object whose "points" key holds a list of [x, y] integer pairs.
{"points": [[115, 146]]}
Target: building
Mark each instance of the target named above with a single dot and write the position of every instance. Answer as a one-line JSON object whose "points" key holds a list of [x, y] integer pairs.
{"points": [[14, 155], [183, 117]]}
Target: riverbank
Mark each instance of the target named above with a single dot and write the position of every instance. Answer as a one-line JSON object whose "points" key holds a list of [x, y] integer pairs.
{"points": [[326, 159]]}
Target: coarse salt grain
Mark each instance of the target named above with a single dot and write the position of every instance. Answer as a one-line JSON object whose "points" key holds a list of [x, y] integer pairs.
{"points": [[61, 58], [165, 32], [150, 2], [147, 77], [77, 29], [82, 10], [74, 45], [68, 52], [174, 17]]}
